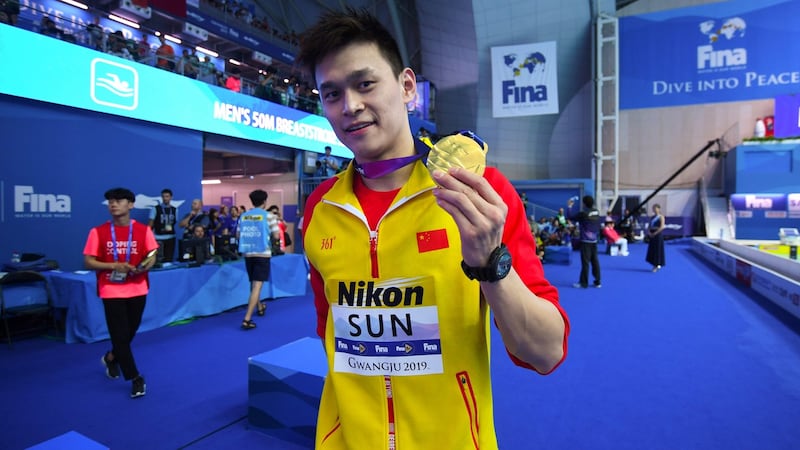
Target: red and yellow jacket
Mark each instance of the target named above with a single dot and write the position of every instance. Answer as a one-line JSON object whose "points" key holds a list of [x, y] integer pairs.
{"points": [[406, 332]]}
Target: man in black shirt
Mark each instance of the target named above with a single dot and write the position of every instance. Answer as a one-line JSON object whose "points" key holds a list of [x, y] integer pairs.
{"points": [[163, 220], [588, 221]]}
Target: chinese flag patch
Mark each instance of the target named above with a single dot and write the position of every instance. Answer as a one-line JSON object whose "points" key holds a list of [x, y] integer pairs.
{"points": [[428, 241]]}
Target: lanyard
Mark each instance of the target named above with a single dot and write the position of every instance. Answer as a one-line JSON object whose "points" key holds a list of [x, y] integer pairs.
{"points": [[377, 169], [114, 242]]}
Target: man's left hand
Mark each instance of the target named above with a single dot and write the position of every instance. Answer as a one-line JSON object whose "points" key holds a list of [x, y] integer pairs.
{"points": [[478, 210]]}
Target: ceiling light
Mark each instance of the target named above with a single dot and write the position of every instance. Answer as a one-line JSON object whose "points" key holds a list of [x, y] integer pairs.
{"points": [[173, 39], [234, 62], [206, 51], [75, 4], [127, 22], [210, 181]]}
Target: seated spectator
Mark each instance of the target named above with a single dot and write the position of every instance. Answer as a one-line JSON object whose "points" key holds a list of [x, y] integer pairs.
{"points": [[612, 238], [197, 247]]}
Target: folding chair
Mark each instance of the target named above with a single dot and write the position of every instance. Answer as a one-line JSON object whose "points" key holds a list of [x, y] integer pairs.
{"points": [[24, 293]]}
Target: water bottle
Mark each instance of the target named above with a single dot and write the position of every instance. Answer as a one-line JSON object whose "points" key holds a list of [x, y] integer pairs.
{"points": [[16, 256]]}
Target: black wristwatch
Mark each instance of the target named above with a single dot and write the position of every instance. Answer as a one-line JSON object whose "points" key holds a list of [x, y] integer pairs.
{"points": [[499, 266]]}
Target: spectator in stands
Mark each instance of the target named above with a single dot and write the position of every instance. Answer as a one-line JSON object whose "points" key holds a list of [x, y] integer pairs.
{"points": [[233, 82], [48, 28], [291, 92], [9, 11], [256, 229], [328, 164], [163, 221], [221, 79], [96, 35], [186, 65], [165, 55], [194, 217], [117, 45], [121, 281], [562, 219], [588, 221], [143, 50], [612, 238], [206, 71]]}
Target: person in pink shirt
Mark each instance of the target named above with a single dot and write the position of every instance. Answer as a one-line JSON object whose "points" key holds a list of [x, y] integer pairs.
{"points": [[121, 251], [613, 238]]}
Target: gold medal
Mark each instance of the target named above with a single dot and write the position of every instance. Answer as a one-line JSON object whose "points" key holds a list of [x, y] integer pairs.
{"points": [[458, 150]]}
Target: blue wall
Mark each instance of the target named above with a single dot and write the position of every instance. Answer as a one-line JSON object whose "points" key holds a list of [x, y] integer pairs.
{"points": [[75, 156]]}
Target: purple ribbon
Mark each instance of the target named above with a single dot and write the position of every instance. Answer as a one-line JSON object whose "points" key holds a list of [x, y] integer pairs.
{"points": [[377, 169]]}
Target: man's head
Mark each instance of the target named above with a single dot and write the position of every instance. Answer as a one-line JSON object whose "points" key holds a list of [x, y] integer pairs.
{"points": [[198, 231], [258, 198], [120, 201], [197, 205], [166, 196], [588, 201], [336, 30], [327, 150], [363, 84], [274, 209]]}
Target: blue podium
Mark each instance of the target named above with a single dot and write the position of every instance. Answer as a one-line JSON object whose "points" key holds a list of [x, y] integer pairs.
{"points": [[284, 389]]}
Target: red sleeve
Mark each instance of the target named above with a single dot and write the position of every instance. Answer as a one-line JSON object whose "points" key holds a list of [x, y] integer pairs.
{"points": [[318, 287], [520, 242]]}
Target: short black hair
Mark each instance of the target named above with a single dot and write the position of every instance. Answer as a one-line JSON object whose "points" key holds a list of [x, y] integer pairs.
{"points": [[336, 30], [271, 207], [588, 201], [258, 197], [120, 193], [166, 191]]}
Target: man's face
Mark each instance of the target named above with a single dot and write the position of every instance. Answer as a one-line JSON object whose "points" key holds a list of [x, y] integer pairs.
{"points": [[199, 232], [119, 207], [197, 205], [364, 101], [166, 197]]}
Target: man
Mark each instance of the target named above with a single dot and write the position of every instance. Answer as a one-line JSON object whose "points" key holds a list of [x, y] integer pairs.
{"points": [[194, 217], [406, 332], [163, 219], [117, 251], [256, 229], [327, 164], [588, 221], [613, 238], [165, 54]]}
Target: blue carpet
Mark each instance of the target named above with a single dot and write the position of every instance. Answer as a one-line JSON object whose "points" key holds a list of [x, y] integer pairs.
{"points": [[679, 359]]}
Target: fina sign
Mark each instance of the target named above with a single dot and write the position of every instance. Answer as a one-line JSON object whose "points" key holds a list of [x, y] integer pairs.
{"points": [[524, 80]]}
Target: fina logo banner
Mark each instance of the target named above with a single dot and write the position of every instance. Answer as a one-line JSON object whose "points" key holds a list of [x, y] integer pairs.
{"points": [[524, 80], [720, 52]]}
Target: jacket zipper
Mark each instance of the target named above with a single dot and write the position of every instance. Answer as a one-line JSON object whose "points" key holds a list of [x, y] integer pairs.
{"points": [[387, 381], [471, 405]]}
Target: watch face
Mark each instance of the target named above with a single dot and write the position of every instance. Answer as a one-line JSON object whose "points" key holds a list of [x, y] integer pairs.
{"points": [[504, 264]]}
